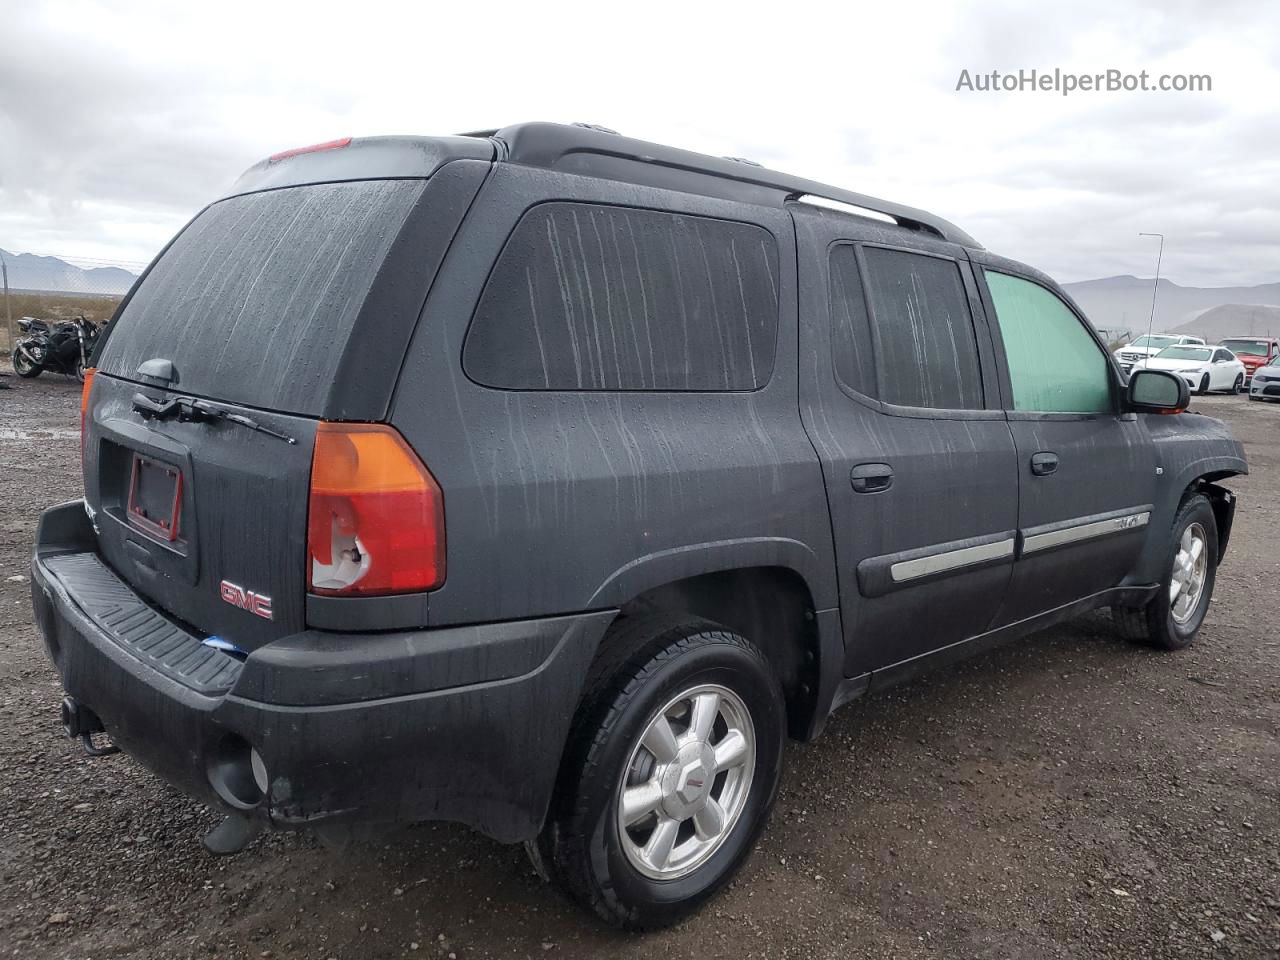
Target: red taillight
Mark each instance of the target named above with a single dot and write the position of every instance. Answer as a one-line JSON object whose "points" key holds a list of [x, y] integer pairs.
{"points": [[313, 148], [376, 520], [84, 405]]}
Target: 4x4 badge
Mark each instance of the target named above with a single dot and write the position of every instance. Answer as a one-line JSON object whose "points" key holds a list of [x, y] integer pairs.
{"points": [[258, 604]]}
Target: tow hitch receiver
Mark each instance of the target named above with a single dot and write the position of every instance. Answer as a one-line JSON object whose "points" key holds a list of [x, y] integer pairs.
{"points": [[81, 723]]}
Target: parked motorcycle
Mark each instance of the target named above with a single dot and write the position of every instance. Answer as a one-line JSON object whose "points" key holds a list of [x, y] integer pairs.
{"points": [[62, 347]]}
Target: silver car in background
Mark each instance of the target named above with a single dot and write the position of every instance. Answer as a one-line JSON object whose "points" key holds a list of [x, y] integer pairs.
{"points": [[1266, 381]]}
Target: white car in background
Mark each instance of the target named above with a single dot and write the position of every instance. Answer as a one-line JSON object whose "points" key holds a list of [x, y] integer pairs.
{"points": [[1204, 368], [1151, 344]]}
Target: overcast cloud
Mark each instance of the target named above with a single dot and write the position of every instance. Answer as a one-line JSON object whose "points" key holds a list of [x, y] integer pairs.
{"points": [[118, 120]]}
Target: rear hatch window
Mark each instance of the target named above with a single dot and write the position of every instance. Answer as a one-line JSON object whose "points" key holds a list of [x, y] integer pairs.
{"points": [[255, 300]]}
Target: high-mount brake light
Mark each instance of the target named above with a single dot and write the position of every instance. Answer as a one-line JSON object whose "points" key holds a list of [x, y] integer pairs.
{"points": [[313, 148], [84, 404], [375, 524]]}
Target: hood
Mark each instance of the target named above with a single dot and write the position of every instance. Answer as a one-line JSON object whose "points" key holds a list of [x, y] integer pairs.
{"points": [[1162, 363]]}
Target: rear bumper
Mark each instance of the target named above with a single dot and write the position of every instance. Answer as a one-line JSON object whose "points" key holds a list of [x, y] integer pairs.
{"points": [[464, 724]]}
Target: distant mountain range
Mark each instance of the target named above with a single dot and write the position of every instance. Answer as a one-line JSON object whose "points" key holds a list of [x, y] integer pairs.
{"points": [[1112, 303], [50, 274], [1124, 303]]}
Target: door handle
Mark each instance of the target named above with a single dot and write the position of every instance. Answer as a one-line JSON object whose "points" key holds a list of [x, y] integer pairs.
{"points": [[871, 477], [1044, 463]]}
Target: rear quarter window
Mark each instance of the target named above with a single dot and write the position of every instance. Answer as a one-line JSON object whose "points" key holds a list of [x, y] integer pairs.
{"points": [[255, 300], [595, 297]]}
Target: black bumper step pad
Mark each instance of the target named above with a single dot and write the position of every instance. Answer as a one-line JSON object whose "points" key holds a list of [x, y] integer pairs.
{"points": [[140, 629]]}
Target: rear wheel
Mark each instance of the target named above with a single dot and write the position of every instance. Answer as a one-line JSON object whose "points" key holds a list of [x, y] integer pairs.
{"points": [[669, 776], [1172, 618]]}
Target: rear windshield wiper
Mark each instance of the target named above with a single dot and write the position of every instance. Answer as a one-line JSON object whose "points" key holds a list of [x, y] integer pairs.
{"points": [[191, 410]]}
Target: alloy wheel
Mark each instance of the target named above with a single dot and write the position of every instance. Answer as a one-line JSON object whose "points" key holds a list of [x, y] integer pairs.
{"points": [[1190, 566], [687, 782]]}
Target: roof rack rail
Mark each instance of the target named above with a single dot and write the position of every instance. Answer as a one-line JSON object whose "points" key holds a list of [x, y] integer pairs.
{"points": [[478, 133], [597, 127], [587, 150], [817, 200]]}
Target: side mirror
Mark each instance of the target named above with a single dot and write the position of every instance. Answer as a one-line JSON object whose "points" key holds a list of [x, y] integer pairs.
{"points": [[1158, 391]]}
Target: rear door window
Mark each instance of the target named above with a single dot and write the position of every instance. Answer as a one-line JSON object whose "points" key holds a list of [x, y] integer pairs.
{"points": [[595, 297], [925, 348], [255, 300]]}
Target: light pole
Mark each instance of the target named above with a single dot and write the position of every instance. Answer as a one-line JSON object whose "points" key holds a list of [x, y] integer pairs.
{"points": [[8, 310], [1156, 284]]}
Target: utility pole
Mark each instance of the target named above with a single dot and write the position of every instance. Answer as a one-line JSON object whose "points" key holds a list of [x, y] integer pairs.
{"points": [[8, 309], [1156, 284]]}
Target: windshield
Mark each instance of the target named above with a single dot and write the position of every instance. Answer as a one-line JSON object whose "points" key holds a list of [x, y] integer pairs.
{"points": [[1250, 348], [1158, 342], [1184, 353]]}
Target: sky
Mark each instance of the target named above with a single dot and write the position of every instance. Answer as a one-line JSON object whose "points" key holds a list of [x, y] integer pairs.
{"points": [[119, 119]]}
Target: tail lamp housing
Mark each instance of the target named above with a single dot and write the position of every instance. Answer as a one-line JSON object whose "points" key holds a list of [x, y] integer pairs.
{"points": [[85, 390], [375, 522]]}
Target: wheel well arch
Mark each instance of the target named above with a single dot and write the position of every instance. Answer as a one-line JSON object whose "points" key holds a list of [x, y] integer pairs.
{"points": [[771, 606]]}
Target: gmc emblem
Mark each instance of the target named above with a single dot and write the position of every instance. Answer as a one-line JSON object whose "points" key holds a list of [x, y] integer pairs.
{"points": [[256, 603]]}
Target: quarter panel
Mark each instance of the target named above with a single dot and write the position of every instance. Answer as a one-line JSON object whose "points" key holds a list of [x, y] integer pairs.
{"points": [[552, 495]]}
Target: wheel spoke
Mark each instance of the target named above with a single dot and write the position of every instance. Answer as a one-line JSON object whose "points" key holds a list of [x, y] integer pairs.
{"points": [[731, 751], [708, 823], [1197, 548], [1175, 588], [660, 740], [706, 707], [658, 850], [640, 801]]}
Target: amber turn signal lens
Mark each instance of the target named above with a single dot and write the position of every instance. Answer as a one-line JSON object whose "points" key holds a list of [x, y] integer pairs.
{"points": [[376, 518]]}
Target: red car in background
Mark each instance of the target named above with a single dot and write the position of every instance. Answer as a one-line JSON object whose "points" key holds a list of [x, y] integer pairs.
{"points": [[1254, 352]]}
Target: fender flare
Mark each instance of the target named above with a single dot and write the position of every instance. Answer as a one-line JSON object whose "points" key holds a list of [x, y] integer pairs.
{"points": [[1149, 568], [679, 563]]}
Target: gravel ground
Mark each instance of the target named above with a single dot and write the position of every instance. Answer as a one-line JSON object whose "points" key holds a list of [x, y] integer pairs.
{"points": [[1070, 796]]}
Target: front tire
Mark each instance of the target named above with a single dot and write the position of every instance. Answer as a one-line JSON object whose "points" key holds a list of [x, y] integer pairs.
{"points": [[670, 773], [1204, 384], [24, 366], [1238, 386], [1172, 618]]}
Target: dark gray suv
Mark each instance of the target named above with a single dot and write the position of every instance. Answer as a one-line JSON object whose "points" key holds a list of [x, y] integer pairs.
{"points": [[547, 480]]}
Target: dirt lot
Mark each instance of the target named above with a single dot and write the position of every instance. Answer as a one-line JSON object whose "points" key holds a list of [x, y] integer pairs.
{"points": [[1070, 796]]}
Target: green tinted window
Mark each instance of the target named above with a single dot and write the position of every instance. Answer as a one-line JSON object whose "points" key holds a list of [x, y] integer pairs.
{"points": [[1055, 365]]}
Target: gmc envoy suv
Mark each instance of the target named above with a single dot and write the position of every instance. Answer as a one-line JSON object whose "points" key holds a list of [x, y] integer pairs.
{"points": [[547, 481]]}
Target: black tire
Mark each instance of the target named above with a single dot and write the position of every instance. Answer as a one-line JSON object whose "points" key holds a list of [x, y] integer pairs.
{"points": [[581, 845], [1155, 624], [24, 367], [1238, 386], [1204, 384]]}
